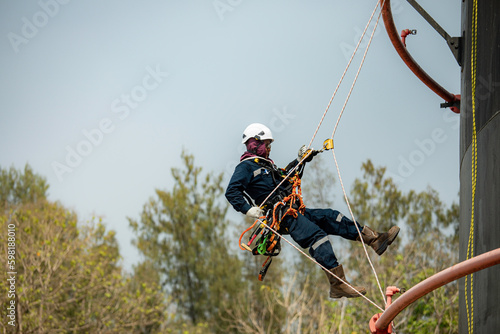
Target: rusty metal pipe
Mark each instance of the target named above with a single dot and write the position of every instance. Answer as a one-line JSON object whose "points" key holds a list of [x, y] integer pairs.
{"points": [[408, 59], [446, 276]]}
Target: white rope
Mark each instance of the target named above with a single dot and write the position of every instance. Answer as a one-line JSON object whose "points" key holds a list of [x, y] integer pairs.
{"points": [[338, 169], [335, 158], [319, 264], [357, 228], [343, 75], [329, 103]]}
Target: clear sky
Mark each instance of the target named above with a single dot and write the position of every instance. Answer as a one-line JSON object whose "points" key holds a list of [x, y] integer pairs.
{"points": [[101, 97]]}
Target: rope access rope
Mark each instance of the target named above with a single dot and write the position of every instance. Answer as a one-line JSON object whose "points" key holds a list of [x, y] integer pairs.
{"points": [[343, 75], [335, 158], [314, 135], [470, 244], [329, 104], [313, 260], [338, 120]]}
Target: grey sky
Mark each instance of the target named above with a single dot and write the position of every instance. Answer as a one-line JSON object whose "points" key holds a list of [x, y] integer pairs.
{"points": [[126, 85]]}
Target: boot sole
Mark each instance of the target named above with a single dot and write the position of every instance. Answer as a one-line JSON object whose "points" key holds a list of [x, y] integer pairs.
{"points": [[348, 296], [393, 236]]}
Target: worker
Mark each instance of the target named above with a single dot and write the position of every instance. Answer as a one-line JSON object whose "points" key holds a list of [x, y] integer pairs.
{"points": [[256, 177]]}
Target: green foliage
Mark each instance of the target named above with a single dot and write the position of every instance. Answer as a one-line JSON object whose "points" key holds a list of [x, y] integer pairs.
{"points": [[68, 279], [426, 245], [183, 233], [21, 187], [257, 307]]}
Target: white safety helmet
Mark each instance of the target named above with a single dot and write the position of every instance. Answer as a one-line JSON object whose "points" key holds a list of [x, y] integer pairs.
{"points": [[257, 131]]}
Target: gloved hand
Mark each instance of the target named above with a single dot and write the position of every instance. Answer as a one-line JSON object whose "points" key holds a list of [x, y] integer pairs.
{"points": [[255, 212], [304, 151]]}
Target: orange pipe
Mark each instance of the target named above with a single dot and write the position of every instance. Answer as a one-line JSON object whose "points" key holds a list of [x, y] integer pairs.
{"points": [[408, 59], [438, 280]]}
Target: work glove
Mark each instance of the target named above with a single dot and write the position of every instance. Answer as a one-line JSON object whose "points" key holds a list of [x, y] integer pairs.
{"points": [[304, 151], [255, 212]]}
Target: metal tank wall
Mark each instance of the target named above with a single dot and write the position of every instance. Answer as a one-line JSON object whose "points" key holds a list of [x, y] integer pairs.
{"points": [[484, 301]]}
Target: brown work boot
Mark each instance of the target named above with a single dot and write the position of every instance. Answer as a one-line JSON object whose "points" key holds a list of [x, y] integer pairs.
{"points": [[339, 289], [379, 241]]}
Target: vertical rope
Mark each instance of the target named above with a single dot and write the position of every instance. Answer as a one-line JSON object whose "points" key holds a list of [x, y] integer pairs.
{"points": [[333, 96], [379, 3], [336, 163], [470, 244], [344, 73]]}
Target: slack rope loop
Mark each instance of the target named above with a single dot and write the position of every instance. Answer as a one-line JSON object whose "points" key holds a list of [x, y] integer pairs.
{"points": [[242, 245]]}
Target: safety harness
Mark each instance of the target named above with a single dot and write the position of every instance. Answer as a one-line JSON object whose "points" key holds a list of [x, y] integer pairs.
{"points": [[268, 243], [287, 202]]}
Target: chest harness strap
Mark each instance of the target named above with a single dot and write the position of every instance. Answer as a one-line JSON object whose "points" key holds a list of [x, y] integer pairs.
{"points": [[269, 244]]}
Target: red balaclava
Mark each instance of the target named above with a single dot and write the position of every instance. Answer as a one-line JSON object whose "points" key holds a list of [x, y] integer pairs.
{"points": [[255, 148]]}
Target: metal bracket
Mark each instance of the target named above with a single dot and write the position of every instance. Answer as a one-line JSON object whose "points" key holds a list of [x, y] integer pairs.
{"points": [[454, 106], [454, 43]]}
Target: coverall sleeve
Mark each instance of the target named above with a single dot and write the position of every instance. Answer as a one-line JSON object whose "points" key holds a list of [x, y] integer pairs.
{"points": [[239, 181]]}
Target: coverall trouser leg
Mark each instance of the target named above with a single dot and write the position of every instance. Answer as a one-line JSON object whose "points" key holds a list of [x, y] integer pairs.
{"points": [[333, 223], [311, 231]]}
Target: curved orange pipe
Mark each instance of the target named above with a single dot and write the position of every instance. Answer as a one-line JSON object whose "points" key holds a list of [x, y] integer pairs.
{"points": [[408, 59], [446, 276]]}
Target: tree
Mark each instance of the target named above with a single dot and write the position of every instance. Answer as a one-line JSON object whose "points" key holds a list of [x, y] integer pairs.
{"points": [[318, 184], [258, 308], [184, 234], [67, 276], [19, 187], [426, 245], [177, 228]]}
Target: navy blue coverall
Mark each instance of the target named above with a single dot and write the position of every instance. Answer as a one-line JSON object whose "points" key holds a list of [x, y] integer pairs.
{"points": [[310, 230]]}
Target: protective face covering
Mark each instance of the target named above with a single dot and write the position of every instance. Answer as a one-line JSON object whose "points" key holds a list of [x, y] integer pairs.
{"points": [[255, 147]]}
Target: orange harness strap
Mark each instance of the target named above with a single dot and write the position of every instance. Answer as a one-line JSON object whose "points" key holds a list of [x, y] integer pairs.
{"points": [[295, 205], [294, 201]]}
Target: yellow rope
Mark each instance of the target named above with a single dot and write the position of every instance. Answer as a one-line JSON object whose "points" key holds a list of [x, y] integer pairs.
{"points": [[470, 245]]}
